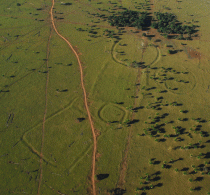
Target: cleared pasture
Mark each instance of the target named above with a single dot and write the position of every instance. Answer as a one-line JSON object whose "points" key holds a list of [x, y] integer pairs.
{"points": [[150, 108]]}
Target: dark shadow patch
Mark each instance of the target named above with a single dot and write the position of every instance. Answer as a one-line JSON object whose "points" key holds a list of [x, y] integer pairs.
{"points": [[133, 121], [159, 185], [102, 176], [197, 188], [118, 191], [185, 169], [185, 119], [64, 90], [207, 155], [156, 178], [185, 111], [137, 108], [157, 173], [80, 119], [66, 4], [4, 91], [120, 103], [157, 162], [162, 140], [114, 122], [167, 166]]}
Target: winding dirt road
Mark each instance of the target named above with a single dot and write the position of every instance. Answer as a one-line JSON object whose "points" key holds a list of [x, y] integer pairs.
{"points": [[85, 100]]}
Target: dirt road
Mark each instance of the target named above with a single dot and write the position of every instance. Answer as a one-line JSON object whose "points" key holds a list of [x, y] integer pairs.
{"points": [[85, 100]]}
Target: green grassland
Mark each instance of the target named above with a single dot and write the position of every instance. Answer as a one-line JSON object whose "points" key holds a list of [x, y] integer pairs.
{"points": [[134, 87]]}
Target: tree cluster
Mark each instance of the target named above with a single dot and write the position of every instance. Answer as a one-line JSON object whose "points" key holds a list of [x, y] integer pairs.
{"points": [[168, 23], [128, 18]]}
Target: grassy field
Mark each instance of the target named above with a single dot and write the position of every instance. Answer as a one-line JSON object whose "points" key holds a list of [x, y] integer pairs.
{"points": [[150, 108]]}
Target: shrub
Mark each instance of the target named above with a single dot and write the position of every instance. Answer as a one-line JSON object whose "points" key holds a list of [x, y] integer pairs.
{"points": [[169, 51]]}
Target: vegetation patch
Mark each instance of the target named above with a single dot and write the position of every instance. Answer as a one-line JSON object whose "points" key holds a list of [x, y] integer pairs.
{"points": [[129, 18], [168, 23]]}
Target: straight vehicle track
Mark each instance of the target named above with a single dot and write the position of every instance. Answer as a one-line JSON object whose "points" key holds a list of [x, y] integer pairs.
{"points": [[45, 113]]}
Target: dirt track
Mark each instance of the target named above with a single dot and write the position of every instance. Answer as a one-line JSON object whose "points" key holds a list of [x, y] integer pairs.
{"points": [[44, 118], [85, 100]]}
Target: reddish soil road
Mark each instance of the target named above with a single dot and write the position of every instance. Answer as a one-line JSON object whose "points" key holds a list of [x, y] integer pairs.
{"points": [[86, 106]]}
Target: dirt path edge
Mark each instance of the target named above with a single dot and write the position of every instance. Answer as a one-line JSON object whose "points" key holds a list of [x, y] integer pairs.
{"points": [[85, 100]]}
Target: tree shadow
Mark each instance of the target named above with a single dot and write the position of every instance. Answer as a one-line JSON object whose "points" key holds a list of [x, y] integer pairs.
{"points": [[175, 89], [120, 103], [1, 91], [118, 191], [167, 166], [159, 185], [203, 121], [197, 188], [154, 68], [162, 140], [102, 176], [156, 178], [205, 134], [164, 115], [157, 40], [66, 4], [207, 155], [114, 122], [198, 127], [173, 161], [150, 36], [64, 90], [133, 121], [80, 119], [185, 169], [137, 108], [150, 88], [157, 162], [157, 173], [185, 119]]}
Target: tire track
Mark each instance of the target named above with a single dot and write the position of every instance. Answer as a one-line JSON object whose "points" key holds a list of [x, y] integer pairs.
{"points": [[85, 100], [45, 113], [124, 163]]}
